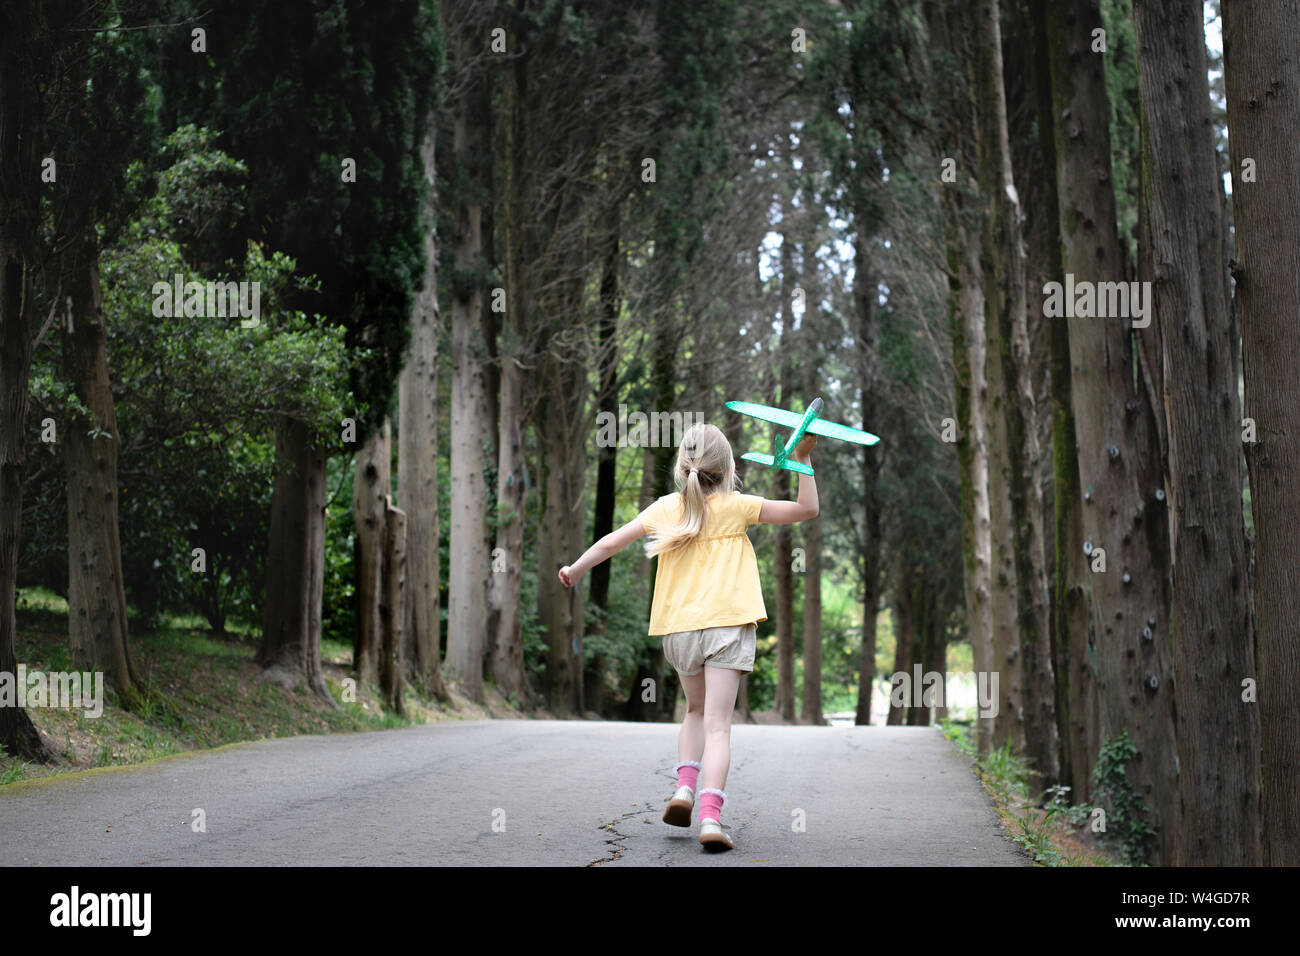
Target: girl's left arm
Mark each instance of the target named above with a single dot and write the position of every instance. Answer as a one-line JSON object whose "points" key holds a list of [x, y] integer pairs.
{"points": [[606, 547]]}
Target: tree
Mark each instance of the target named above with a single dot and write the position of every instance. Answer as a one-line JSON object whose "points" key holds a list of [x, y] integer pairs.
{"points": [[467, 603], [1213, 636], [417, 454], [30, 40], [1123, 518], [103, 118], [347, 205], [1262, 74]]}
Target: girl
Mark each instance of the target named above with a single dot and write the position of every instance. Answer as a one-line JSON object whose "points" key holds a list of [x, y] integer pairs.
{"points": [[707, 603]]}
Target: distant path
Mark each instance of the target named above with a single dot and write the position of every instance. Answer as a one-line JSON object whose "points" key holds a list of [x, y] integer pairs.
{"points": [[427, 795]]}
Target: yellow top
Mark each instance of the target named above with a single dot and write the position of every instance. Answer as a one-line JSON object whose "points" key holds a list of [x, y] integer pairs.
{"points": [[713, 581]]}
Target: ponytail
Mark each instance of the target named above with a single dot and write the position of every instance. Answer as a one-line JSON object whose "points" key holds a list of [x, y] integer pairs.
{"points": [[692, 523], [703, 461]]}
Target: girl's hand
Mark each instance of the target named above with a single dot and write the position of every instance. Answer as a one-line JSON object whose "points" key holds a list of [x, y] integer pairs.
{"points": [[805, 447], [565, 579]]}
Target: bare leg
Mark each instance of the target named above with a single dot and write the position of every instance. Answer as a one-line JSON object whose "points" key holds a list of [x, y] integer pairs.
{"points": [[721, 684], [690, 741]]}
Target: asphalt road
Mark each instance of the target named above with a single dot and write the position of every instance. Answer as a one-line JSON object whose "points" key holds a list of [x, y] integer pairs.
{"points": [[516, 793]]}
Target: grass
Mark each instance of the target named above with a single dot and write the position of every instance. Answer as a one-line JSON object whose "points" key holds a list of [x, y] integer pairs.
{"points": [[1056, 834], [205, 691]]}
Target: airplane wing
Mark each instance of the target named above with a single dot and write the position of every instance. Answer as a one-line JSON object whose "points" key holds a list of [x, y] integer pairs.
{"points": [[819, 426], [778, 416]]}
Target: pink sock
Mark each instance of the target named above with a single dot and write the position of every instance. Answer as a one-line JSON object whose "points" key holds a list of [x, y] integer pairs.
{"points": [[688, 774], [711, 802]]}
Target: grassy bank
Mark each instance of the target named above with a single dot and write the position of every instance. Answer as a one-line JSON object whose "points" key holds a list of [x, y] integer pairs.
{"points": [[1056, 835], [207, 692]]}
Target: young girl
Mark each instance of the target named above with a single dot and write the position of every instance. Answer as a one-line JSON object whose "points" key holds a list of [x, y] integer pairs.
{"points": [[707, 604]]}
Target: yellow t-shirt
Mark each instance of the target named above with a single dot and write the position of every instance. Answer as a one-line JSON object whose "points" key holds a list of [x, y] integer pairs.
{"points": [[713, 581]]}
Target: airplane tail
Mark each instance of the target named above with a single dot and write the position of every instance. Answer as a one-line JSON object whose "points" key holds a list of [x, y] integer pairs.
{"points": [[788, 464]]}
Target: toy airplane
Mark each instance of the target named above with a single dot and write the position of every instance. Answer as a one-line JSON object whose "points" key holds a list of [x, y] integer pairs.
{"points": [[807, 422]]}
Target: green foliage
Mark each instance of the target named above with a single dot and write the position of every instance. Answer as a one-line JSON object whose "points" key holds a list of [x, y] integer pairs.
{"points": [[338, 610], [303, 88], [1125, 116], [1126, 811], [196, 399]]}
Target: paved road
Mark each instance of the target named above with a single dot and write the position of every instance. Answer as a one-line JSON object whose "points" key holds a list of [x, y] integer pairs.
{"points": [[516, 793]]}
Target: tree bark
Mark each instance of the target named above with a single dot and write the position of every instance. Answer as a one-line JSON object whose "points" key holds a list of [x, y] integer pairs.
{"points": [[467, 586], [1122, 511], [1004, 272], [1076, 686], [864, 304], [606, 400], [783, 538], [295, 563], [392, 615], [1213, 652], [24, 57], [370, 495], [812, 622], [1262, 74], [950, 28], [97, 623], [904, 639], [417, 458]]}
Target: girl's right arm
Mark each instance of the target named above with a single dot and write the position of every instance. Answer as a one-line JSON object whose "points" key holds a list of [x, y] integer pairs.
{"points": [[788, 512]]}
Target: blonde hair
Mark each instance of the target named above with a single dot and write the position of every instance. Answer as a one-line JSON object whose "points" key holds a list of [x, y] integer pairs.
{"points": [[704, 466]]}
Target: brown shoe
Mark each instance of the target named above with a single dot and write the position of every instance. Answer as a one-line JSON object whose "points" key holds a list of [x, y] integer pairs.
{"points": [[680, 806]]}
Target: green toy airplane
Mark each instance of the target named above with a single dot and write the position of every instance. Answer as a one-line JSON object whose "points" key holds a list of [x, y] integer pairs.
{"points": [[807, 422]]}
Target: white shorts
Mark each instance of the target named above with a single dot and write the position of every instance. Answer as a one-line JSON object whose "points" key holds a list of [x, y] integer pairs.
{"points": [[731, 647]]}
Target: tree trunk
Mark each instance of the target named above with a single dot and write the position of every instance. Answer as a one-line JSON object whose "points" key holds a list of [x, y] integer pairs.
{"points": [[1122, 510], [1262, 73], [864, 304], [1218, 736], [1076, 686], [467, 587], [904, 638], [295, 563], [507, 662], [21, 57], [1005, 281], [417, 459], [1008, 725], [97, 622], [783, 558], [606, 400], [812, 622], [936, 657], [971, 404], [371, 486], [393, 610]]}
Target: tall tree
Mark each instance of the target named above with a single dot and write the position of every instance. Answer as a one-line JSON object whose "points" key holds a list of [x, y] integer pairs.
{"points": [[371, 490], [1004, 271], [417, 453], [1213, 635], [102, 116], [32, 34], [470, 567], [1262, 74], [346, 205], [1115, 442]]}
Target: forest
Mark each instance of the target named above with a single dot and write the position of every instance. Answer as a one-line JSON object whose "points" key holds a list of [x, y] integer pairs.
{"points": [[355, 321]]}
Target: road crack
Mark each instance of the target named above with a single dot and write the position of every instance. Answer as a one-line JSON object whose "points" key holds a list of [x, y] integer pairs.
{"points": [[615, 846]]}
